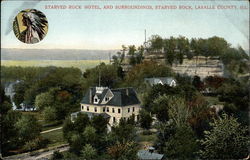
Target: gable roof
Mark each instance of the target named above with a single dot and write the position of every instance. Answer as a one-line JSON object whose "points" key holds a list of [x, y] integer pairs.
{"points": [[122, 97], [157, 80]]}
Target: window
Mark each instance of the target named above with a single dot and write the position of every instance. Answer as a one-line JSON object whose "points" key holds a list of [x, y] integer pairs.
{"points": [[103, 109], [107, 98], [82, 107], [87, 108], [119, 110], [96, 99], [128, 110], [95, 109], [114, 119], [113, 110], [133, 109], [107, 109]]}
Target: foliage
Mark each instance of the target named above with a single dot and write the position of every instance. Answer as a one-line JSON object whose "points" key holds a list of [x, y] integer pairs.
{"points": [[123, 132], [76, 143], [235, 61], [135, 77], [59, 101], [81, 122], [100, 124], [161, 107], [200, 116], [108, 76], [156, 42], [236, 93], [44, 100], [68, 128], [154, 93], [197, 83], [49, 114], [57, 155], [214, 81], [221, 142], [187, 91], [178, 111], [123, 151], [135, 55], [19, 93], [145, 119], [182, 145], [8, 119], [37, 80], [86, 131], [89, 152], [28, 128], [90, 135], [35, 144], [165, 131]]}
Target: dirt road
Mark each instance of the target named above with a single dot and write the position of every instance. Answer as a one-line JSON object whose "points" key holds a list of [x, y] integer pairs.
{"points": [[39, 155]]}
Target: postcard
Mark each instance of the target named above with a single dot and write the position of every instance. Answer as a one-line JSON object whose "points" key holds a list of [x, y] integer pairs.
{"points": [[132, 79]]}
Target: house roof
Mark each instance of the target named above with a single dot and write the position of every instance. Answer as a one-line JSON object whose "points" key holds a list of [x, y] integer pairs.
{"points": [[146, 155], [122, 96], [157, 80]]}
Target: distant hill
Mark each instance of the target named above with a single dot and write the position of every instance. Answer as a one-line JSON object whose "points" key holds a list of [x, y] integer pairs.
{"points": [[55, 54]]}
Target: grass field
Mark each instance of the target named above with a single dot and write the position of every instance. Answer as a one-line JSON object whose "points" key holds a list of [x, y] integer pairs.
{"points": [[55, 137], [81, 64]]}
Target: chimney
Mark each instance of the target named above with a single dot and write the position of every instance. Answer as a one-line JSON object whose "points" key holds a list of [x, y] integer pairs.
{"points": [[90, 95]]}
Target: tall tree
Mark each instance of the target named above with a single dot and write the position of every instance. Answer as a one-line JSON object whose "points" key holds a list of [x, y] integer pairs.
{"points": [[89, 152], [156, 43], [145, 119], [81, 122], [28, 128], [182, 145], [124, 132], [227, 140], [183, 47], [178, 112], [160, 108], [169, 50]]}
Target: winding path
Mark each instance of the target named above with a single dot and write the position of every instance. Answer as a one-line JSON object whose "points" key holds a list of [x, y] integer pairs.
{"points": [[50, 130]]}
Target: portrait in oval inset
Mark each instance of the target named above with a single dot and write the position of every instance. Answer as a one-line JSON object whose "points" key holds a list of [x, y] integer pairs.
{"points": [[30, 26]]}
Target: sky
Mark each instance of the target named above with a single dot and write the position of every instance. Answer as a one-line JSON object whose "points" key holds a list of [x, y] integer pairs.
{"points": [[109, 29]]}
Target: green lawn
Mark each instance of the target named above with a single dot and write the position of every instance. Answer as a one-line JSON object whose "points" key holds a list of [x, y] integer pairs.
{"points": [[36, 114], [146, 140], [48, 126], [81, 64], [55, 138]]}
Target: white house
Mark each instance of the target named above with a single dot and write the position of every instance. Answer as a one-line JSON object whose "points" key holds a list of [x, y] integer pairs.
{"points": [[161, 80], [110, 103]]}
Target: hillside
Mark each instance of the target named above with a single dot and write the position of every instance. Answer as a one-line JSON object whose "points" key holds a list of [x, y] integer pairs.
{"points": [[203, 68]]}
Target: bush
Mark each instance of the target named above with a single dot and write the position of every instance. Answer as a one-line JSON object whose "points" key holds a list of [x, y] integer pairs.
{"points": [[56, 155], [89, 152], [49, 114], [35, 144]]}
